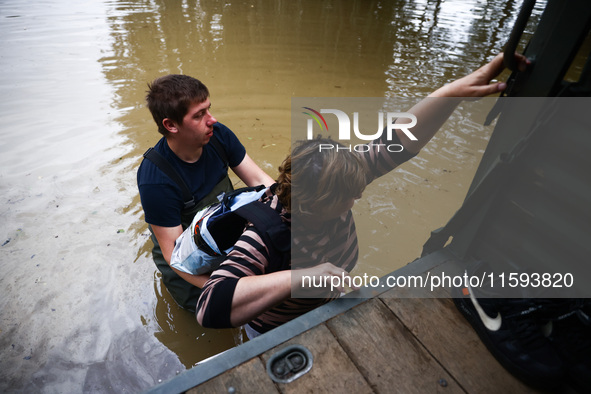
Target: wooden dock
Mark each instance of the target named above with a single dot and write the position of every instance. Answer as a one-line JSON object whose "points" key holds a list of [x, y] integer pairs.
{"points": [[384, 342]]}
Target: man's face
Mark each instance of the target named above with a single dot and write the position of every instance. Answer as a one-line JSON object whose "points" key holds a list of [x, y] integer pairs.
{"points": [[197, 123]]}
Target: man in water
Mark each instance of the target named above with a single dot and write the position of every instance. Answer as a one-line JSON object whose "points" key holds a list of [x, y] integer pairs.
{"points": [[199, 150]]}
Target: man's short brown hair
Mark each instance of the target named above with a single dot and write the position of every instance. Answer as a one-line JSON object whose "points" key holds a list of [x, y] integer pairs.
{"points": [[170, 97]]}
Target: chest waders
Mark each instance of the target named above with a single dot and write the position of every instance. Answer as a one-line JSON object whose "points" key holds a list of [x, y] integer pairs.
{"points": [[184, 293]]}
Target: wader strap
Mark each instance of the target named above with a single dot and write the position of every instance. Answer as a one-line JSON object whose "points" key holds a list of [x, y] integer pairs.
{"points": [[220, 150], [223, 186], [170, 172], [167, 168]]}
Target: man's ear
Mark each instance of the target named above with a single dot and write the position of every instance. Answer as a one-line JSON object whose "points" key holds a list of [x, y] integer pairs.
{"points": [[170, 125]]}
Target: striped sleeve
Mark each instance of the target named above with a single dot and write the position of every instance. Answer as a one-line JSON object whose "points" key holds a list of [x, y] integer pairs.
{"points": [[249, 257], [385, 155]]}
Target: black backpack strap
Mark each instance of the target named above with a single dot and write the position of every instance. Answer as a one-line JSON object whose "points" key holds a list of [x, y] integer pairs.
{"points": [[273, 230], [167, 169]]}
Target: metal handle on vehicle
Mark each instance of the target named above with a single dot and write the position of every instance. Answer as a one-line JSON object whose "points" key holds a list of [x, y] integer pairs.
{"points": [[518, 28]]}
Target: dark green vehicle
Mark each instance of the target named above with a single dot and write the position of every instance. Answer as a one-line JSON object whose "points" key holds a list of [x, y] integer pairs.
{"points": [[526, 221]]}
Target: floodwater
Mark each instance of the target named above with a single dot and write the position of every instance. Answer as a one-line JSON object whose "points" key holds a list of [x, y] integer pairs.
{"points": [[82, 307]]}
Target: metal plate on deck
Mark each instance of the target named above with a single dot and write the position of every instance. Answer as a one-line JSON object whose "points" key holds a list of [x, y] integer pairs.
{"points": [[289, 364]]}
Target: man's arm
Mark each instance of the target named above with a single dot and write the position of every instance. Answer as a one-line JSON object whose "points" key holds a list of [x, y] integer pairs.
{"points": [[166, 237], [251, 174]]}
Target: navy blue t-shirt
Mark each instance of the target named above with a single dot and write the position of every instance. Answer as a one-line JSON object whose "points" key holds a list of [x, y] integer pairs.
{"points": [[161, 197]]}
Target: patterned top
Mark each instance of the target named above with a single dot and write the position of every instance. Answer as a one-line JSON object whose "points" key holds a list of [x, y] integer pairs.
{"points": [[335, 241]]}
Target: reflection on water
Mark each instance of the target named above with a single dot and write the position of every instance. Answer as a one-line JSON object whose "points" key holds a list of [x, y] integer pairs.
{"points": [[81, 307], [177, 329]]}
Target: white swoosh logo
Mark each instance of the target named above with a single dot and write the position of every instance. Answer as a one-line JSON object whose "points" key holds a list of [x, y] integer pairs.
{"points": [[490, 323]]}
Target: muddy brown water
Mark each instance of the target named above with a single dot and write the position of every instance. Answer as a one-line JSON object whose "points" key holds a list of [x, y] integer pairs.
{"points": [[82, 307]]}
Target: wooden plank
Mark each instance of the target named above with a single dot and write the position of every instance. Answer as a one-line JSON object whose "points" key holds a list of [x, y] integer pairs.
{"points": [[332, 371], [250, 377], [441, 328], [387, 354]]}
